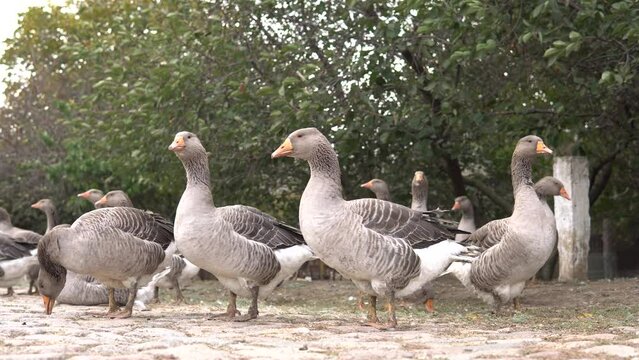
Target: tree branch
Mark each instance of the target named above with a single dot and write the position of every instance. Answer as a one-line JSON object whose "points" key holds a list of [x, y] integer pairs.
{"points": [[490, 193]]}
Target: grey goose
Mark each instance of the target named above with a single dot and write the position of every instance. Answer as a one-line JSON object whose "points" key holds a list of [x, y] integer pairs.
{"points": [[467, 222], [15, 262], [379, 187], [386, 249], [419, 192], [117, 246], [250, 252], [182, 271], [85, 289], [517, 248], [25, 237]]}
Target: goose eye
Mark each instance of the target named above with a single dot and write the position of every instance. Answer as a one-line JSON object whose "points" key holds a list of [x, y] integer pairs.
{"points": [[188, 137], [299, 135]]}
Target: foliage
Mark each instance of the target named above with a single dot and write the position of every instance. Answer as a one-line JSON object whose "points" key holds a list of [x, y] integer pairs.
{"points": [[445, 87]]}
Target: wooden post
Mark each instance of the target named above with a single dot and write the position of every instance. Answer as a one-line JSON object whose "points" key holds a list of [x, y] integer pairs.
{"points": [[609, 253], [573, 218]]}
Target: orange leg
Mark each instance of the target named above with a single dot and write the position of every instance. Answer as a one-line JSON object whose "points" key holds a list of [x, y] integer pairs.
{"points": [[429, 305]]}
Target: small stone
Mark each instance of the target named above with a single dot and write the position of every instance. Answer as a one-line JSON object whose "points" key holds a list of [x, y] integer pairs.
{"points": [[304, 347]]}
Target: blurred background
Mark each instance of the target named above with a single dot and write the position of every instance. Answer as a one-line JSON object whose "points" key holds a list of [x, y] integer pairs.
{"points": [[94, 91]]}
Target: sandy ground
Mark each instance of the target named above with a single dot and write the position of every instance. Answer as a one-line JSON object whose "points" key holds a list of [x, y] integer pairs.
{"points": [[319, 320]]}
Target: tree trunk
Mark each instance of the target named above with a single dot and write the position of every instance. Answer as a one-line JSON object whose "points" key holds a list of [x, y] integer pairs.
{"points": [[573, 218], [609, 252]]}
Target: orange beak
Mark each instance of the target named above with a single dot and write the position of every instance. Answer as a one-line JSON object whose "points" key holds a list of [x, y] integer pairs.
{"points": [[564, 194], [542, 148], [48, 304], [84, 195], [35, 205], [429, 305], [103, 200], [177, 144], [285, 149], [419, 176], [368, 185], [456, 206]]}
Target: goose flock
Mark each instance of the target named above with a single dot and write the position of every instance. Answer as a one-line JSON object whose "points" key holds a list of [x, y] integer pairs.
{"points": [[120, 255]]}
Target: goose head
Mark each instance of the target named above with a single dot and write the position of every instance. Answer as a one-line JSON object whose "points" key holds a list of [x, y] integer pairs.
{"points": [[52, 276], [302, 144], [462, 203], [378, 186], [550, 186], [92, 195], [4, 216], [531, 145], [187, 146], [115, 198], [44, 205]]}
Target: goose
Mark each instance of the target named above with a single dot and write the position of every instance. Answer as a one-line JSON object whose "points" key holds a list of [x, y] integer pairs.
{"points": [[250, 252], [92, 195], [419, 191], [498, 275], [117, 246], [467, 222], [379, 188], [26, 237], [386, 249], [174, 278], [15, 261]]}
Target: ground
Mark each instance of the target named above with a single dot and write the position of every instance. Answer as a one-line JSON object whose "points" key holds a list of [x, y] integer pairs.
{"points": [[319, 319]]}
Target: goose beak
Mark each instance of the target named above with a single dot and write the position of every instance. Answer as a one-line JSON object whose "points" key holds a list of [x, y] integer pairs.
{"points": [[35, 205], [542, 148], [419, 176], [456, 206], [103, 200], [177, 144], [285, 149], [368, 185], [48, 304], [84, 195], [564, 194]]}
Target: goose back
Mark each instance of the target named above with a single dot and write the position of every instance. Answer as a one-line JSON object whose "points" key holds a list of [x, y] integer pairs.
{"points": [[144, 225]]}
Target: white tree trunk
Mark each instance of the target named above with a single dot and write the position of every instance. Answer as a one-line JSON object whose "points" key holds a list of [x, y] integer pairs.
{"points": [[573, 218]]}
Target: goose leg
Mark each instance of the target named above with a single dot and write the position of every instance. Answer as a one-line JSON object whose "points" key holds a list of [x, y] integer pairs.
{"points": [[156, 295], [31, 283], [113, 305], [516, 303], [392, 319], [252, 311], [128, 308], [372, 310], [231, 309], [360, 301], [429, 305], [9, 292], [179, 298]]}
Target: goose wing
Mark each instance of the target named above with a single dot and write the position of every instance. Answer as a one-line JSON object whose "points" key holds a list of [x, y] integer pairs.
{"points": [[261, 227], [387, 218], [10, 249], [489, 235], [139, 223]]}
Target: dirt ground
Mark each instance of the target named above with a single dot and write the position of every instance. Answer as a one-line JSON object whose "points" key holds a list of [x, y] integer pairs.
{"points": [[318, 320]]}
